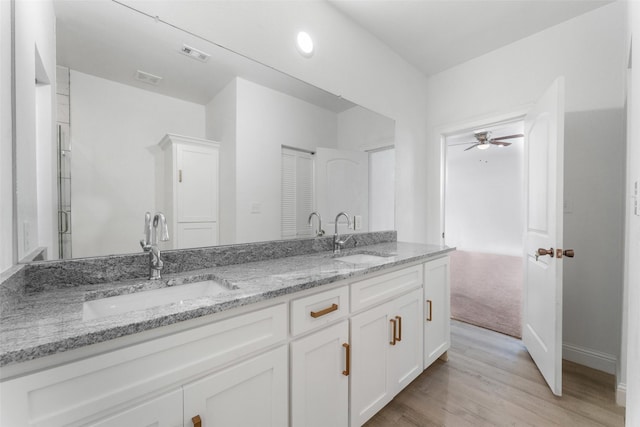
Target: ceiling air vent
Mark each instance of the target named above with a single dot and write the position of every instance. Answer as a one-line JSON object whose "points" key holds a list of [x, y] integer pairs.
{"points": [[194, 53], [148, 78]]}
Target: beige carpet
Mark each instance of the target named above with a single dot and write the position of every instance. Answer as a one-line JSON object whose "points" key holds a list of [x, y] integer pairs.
{"points": [[486, 290]]}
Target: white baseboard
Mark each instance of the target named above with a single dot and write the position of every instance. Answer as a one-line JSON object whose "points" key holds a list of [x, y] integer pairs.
{"points": [[621, 394], [591, 358]]}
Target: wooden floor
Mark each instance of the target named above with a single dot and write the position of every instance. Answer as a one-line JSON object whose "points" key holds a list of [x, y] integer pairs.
{"points": [[490, 380]]}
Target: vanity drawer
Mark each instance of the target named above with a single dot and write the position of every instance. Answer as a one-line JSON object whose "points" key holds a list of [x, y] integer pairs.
{"points": [[319, 309], [369, 292]]}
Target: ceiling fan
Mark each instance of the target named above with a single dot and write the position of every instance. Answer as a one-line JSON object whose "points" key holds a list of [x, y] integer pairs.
{"points": [[484, 140]]}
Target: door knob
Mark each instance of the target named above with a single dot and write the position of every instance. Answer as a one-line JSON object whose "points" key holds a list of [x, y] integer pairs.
{"points": [[542, 252], [569, 253]]}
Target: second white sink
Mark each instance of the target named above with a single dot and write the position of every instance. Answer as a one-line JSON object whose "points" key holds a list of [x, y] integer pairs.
{"points": [[147, 299]]}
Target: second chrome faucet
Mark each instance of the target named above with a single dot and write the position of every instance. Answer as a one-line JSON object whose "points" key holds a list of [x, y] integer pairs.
{"points": [[337, 243]]}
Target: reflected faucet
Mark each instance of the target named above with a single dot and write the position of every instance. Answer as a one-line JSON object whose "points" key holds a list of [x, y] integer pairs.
{"points": [[150, 242], [320, 231], [337, 243]]}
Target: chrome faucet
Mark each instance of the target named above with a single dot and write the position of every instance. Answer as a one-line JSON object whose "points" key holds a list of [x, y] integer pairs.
{"points": [[150, 242], [320, 231], [337, 243]]}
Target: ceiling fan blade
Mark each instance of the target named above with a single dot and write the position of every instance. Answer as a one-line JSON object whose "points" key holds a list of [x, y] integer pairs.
{"points": [[463, 143], [473, 146], [500, 143], [519, 135]]}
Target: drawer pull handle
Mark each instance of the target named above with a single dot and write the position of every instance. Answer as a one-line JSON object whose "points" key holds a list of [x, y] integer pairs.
{"points": [[197, 422], [348, 361], [399, 328], [430, 317], [316, 314], [395, 328]]}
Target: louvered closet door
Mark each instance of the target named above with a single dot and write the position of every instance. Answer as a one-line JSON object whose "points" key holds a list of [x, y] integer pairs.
{"points": [[297, 193]]}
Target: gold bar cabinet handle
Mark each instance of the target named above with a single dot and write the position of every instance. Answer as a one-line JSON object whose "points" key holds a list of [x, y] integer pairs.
{"points": [[327, 310], [348, 361], [197, 422], [399, 328], [430, 317], [395, 326]]}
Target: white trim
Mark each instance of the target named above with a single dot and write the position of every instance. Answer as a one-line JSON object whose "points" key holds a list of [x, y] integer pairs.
{"points": [[590, 358], [621, 395]]}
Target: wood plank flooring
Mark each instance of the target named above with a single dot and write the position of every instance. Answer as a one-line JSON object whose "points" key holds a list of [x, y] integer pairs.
{"points": [[490, 380]]}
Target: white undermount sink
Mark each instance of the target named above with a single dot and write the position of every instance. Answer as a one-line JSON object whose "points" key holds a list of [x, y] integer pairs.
{"points": [[142, 300], [361, 259]]}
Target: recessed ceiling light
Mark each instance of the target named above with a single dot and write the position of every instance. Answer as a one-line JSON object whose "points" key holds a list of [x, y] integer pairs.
{"points": [[304, 43]]}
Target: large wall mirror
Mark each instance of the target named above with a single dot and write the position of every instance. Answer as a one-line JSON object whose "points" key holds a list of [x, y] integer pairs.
{"points": [[134, 91]]}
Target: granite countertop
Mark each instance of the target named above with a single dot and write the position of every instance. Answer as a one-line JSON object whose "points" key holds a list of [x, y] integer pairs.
{"points": [[51, 321]]}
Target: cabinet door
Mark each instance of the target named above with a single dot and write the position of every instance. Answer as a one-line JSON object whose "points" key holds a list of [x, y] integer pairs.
{"points": [[319, 386], [163, 411], [250, 393], [405, 358], [371, 334], [197, 188], [436, 310]]}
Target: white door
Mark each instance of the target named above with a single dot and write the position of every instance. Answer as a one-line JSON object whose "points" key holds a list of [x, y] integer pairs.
{"points": [[371, 334], [342, 185], [319, 378], [405, 357], [249, 394], [197, 190], [437, 298], [544, 173]]}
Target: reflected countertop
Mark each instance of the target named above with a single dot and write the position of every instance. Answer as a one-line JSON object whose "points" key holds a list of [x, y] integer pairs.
{"points": [[51, 321]]}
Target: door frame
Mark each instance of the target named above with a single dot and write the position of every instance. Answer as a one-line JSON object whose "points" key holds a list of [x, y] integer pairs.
{"points": [[468, 125]]}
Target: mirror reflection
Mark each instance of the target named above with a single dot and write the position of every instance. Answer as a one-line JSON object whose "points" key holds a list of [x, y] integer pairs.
{"points": [[152, 118]]}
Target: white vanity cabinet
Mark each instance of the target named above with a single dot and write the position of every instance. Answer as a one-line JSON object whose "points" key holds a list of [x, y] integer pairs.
{"points": [[330, 357], [188, 175], [437, 304], [164, 379], [386, 340]]}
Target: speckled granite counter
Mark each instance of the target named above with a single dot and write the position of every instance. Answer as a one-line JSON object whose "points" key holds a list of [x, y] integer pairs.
{"points": [[49, 320]]}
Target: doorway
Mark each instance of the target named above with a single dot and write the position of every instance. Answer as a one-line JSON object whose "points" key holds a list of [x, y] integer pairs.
{"points": [[483, 219]]}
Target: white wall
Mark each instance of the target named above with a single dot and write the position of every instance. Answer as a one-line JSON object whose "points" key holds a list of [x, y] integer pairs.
{"points": [[483, 199], [221, 126], [632, 268], [266, 120], [348, 61], [589, 51], [110, 192], [6, 135], [34, 35], [361, 129]]}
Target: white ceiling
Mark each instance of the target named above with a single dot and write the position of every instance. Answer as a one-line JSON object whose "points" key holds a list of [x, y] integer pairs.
{"points": [[111, 41], [435, 35]]}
